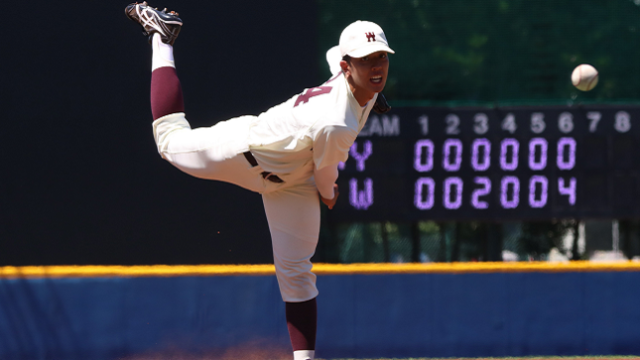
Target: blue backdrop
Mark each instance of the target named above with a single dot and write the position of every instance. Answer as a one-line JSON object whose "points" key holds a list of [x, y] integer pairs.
{"points": [[422, 315]]}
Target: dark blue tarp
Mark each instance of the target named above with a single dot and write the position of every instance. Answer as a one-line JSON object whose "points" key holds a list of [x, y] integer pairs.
{"points": [[427, 315]]}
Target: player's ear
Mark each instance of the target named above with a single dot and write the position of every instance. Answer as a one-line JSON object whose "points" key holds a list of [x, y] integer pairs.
{"points": [[344, 66]]}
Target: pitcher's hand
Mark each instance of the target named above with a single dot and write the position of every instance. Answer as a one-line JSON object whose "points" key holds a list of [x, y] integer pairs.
{"points": [[331, 202]]}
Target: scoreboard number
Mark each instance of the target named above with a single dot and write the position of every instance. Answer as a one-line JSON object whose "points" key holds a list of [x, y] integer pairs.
{"points": [[481, 192], [424, 124], [509, 123], [537, 122], [594, 118], [481, 123], [453, 124], [623, 122], [565, 122]]}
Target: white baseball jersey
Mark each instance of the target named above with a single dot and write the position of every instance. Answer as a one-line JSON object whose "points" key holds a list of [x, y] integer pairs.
{"points": [[317, 127]]}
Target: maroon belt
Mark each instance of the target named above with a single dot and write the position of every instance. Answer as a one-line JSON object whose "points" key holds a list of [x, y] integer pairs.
{"points": [[265, 174]]}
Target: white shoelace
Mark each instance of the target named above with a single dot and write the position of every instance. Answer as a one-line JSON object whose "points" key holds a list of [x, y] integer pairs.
{"points": [[148, 19]]}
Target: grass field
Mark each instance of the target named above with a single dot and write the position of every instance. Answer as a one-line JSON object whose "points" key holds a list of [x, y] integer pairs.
{"points": [[262, 352], [271, 354], [516, 358]]}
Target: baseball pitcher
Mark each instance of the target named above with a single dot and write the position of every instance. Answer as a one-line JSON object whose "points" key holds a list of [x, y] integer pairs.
{"points": [[289, 153]]}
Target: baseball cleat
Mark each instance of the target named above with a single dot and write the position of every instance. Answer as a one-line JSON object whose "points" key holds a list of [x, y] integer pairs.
{"points": [[152, 20], [381, 106]]}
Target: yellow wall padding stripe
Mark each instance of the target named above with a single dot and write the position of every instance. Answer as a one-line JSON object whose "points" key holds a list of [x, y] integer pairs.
{"points": [[475, 267], [9, 272]]}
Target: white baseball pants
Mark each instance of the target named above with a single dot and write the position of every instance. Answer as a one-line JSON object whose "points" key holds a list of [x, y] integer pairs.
{"points": [[292, 207]]}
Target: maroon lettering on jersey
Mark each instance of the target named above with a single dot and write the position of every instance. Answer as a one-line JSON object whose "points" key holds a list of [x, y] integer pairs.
{"points": [[371, 37], [304, 98]]}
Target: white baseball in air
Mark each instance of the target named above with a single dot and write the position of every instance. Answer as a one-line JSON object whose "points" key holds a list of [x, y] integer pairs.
{"points": [[333, 59], [584, 77]]}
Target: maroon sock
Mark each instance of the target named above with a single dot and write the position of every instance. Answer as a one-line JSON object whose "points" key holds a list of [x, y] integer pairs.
{"points": [[301, 321], [166, 92]]}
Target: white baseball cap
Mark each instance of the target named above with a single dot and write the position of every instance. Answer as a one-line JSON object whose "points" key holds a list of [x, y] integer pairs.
{"points": [[362, 38], [333, 59]]}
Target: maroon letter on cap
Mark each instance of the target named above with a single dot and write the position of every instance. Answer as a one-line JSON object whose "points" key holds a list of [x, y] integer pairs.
{"points": [[370, 37]]}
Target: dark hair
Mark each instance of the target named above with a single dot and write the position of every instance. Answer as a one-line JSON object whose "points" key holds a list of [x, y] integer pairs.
{"points": [[347, 58]]}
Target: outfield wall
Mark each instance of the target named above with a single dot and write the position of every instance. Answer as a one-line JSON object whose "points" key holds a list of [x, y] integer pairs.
{"points": [[384, 310]]}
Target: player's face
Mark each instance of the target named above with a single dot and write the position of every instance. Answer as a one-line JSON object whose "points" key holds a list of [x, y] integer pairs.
{"points": [[369, 73]]}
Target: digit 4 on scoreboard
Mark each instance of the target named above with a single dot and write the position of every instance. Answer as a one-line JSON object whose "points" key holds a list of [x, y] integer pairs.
{"points": [[509, 123]]}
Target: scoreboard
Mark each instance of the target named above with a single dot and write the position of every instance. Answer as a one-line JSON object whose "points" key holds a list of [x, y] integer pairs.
{"points": [[425, 163]]}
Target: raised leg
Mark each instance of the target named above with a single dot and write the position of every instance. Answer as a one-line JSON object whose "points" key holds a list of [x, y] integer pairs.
{"points": [[166, 91]]}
